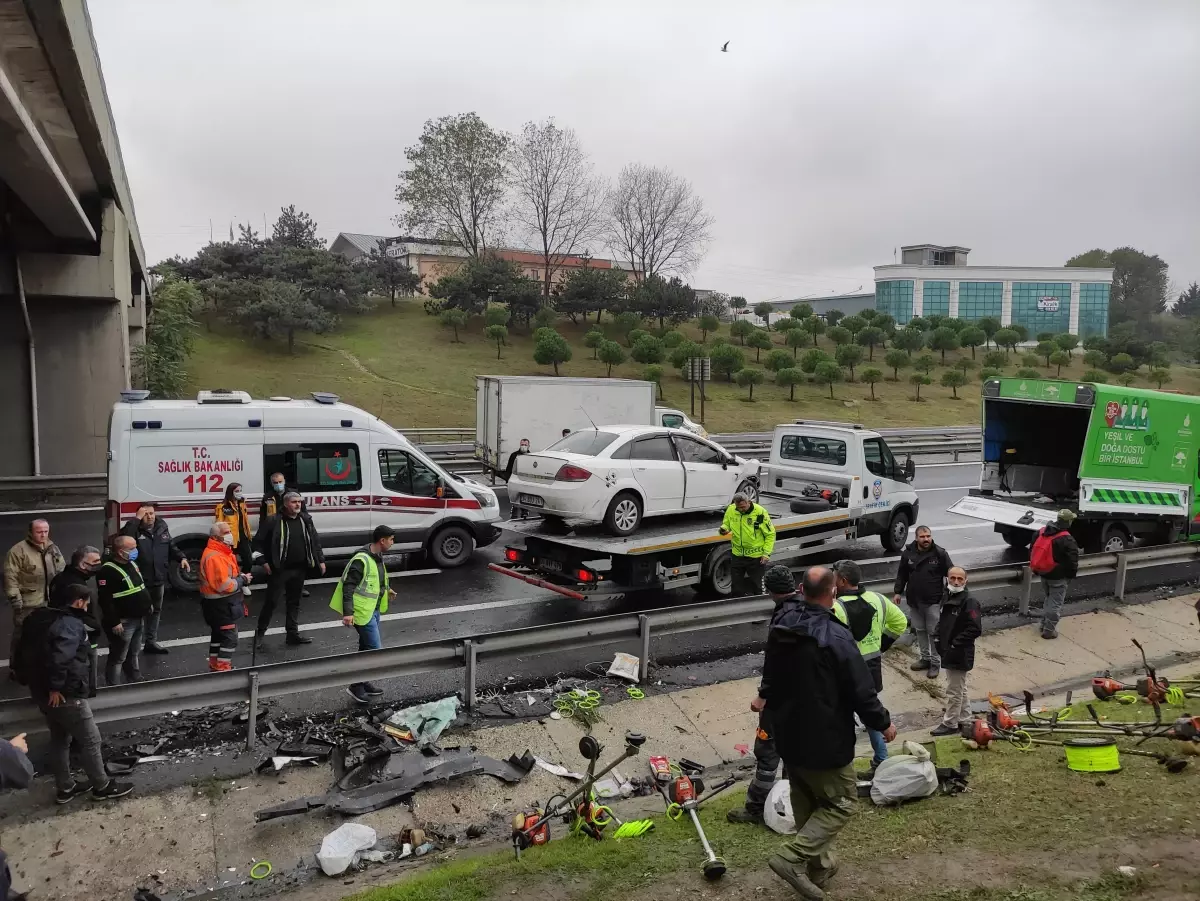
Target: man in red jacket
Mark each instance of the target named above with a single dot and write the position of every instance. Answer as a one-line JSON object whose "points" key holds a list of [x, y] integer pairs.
{"points": [[1065, 551]]}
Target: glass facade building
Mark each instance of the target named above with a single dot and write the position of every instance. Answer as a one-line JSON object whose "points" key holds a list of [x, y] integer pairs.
{"points": [[896, 299], [1093, 308], [979, 300], [1042, 306], [936, 299]]}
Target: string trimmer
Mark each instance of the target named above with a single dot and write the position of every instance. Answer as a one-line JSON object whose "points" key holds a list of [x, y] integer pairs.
{"points": [[681, 788]]}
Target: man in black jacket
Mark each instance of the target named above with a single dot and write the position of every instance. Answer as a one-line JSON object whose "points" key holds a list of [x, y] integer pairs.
{"points": [[60, 675], [1065, 549], [156, 550], [15, 772], [921, 578], [781, 585], [292, 549], [85, 563], [960, 625], [124, 604], [815, 681]]}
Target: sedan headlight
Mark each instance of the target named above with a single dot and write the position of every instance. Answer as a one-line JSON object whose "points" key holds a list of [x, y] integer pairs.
{"points": [[485, 498]]}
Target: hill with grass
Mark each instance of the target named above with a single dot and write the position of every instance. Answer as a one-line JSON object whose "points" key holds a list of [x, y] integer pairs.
{"points": [[402, 364]]}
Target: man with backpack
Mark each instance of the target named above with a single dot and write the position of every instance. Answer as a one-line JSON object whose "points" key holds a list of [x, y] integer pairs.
{"points": [[1055, 557], [875, 623], [921, 578], [54, 660], [961, 623]]}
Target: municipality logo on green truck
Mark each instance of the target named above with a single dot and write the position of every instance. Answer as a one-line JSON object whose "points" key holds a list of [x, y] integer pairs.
{"points": [[1140, 429]]}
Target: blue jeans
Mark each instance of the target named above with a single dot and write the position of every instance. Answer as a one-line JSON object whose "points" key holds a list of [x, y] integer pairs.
{"points": [[879, 746], [368, 638]]}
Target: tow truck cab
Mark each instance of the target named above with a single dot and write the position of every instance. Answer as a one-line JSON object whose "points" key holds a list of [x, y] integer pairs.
{"points": [[853, 467]]}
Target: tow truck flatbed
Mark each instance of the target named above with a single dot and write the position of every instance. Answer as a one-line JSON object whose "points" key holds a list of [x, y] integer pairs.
{"points": [[670, 552]]}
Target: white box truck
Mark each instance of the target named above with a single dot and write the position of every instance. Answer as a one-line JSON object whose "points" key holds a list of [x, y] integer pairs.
{"points": [[511, 407]]}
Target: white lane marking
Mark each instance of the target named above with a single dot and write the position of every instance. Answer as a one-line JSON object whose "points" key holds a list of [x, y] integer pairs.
{"points": [[333, 580], [949, 488], [47, 511]]}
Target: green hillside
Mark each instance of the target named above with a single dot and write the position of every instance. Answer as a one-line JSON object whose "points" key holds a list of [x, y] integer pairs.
{"points": [[401, 364]]}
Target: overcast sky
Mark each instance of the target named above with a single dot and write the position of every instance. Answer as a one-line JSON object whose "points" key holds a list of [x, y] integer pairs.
{"points": [[829, 134]]}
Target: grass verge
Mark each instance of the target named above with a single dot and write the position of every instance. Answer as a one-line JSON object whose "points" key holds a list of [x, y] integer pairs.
{"points": [[1028, 830]]}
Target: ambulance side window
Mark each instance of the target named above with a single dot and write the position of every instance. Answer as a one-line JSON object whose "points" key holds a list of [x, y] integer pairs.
{"points": [[315, 468], [403, 473]]}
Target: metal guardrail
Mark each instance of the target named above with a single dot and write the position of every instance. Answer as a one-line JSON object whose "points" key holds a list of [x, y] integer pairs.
{"points": [[459, 456], [278, 680]]}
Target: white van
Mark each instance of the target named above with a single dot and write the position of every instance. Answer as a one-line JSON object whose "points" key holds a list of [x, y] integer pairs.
{"points": [[354, 470]]}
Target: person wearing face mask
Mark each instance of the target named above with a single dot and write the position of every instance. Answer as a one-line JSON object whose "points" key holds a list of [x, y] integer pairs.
{"points": [[233, 512], [85, 563], [124, 604], [156, 550], [54, 652], [221, 585], [30, 567], [272, 504], [961, 623]]}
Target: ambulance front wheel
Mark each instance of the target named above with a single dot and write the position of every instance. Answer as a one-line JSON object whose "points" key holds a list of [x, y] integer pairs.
{"points": [[451, 546]]}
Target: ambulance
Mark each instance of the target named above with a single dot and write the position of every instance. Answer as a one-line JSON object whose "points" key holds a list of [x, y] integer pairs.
{"points": [[355, 472]]}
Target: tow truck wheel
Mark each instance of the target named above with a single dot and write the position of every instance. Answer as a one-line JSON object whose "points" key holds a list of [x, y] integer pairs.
{"points": [[1114, 538], [894, 538], [1017, 538], [451, 547], [717, 580]]}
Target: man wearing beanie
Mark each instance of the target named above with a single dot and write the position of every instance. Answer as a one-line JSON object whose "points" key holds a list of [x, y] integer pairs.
{"points": [[1055, 557], [781, 585]]}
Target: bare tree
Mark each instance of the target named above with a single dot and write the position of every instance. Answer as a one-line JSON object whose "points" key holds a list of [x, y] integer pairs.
{"points": [[456, 182], [558, 201], [656, 221]]}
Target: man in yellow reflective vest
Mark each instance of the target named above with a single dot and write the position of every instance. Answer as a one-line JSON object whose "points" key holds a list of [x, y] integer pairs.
{"points": [[875, 622], [124, 605], [361, 595], [751, 539]]}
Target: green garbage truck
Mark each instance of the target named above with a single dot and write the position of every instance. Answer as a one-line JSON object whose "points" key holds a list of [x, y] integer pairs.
{"points": [[1127, 460]]}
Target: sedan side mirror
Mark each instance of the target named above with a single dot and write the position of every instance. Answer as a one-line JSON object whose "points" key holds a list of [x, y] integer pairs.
{"points": [[910, 469]]}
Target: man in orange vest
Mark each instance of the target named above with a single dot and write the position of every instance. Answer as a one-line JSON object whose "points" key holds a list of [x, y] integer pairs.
{"points": [[221, 584]]}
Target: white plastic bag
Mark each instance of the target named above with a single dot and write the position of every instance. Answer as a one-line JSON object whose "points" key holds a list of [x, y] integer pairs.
{"points": [[340, 847], [778, 811], [904, 778]]}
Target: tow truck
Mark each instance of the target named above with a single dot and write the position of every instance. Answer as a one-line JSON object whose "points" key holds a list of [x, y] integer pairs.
{"points": [[825, 482]]}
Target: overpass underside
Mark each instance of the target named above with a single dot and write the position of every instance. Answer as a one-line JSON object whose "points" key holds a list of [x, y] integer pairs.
{"points": [[73, 281]]}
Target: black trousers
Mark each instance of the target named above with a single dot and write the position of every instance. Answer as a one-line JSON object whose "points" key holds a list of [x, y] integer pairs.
{"points": [[766, 765], [747, 576], [286, 586]]}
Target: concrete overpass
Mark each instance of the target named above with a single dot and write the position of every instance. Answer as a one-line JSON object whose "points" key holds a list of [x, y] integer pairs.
{"points": [[73, 278]]}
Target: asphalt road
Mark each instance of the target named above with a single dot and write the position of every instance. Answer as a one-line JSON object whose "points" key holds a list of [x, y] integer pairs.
{"points": [[472, 600]]}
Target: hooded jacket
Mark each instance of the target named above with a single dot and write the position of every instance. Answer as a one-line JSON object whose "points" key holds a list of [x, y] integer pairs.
{"points": [[921, 575], [960, 624], [64, 652], [815, 681], [1065, 549], [28, 572]]}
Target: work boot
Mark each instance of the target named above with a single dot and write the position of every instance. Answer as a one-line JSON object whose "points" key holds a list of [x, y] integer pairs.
{"points": [[919, 665], [1049, 633], [303, 592], [76, 789], [934, 670], [372, 689], [359, 694], [296, 638], [821, 872], [797, 879], [113, 790], [746, 816], [260, 640], [153, 647], [942, 729]]}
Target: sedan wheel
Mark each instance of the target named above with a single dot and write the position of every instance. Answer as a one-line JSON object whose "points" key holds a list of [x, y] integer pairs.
{"points": [[624, 514], [748, 488]]}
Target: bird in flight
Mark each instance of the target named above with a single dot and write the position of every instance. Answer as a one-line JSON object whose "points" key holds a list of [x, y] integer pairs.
{"points": [[725, 47]]}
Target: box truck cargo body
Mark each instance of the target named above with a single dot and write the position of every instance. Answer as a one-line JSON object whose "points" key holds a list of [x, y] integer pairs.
{"points": [[1127, 460], [511, 407]]}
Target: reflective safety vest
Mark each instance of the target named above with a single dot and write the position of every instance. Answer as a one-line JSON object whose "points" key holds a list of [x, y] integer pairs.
{"points": [[372, 591], [888, 621], [129, 588]]}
